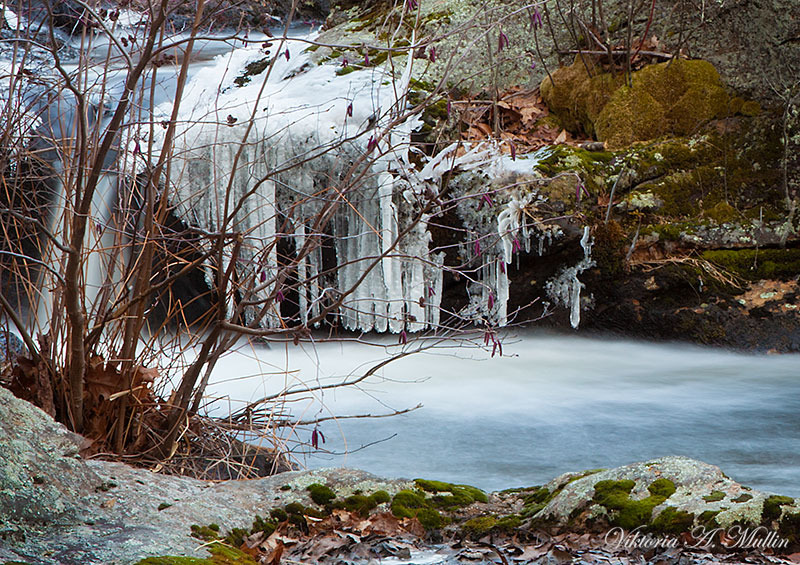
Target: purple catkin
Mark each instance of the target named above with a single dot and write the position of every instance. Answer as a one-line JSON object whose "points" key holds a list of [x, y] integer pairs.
{"points": [[502, 41], [536, 18]]}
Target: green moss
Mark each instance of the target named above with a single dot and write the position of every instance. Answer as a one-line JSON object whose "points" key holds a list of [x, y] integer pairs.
{"points": [[220, 555], [223, 555], [626, 512], [743, 498], [670, 232], [772, 507], [205, 533], [462, 495], [789, 527], [631, 115], [236, 537], [756, 264], [480, 526], [357, 503], [539, 495], [380, 496], [722, 213], [715, 496], [750, 108], [406, 502], [164, 506], [345, 70], [294, 508], [708, 519], [421, 85], [430, 518], [321, 494], [442, 16], [676, 98], [672, 521], [662, 487], [537, 499], [265, 526], [508, 523], [613, 494], [286, 487], [278, 514]]}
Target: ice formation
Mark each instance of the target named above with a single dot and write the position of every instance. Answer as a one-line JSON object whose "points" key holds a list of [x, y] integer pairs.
{"points": [[565, 288], [266, 159]]}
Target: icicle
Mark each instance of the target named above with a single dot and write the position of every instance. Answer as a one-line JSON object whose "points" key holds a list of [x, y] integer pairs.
{"points": [[302, 273], [565, 288], [502, 286]]}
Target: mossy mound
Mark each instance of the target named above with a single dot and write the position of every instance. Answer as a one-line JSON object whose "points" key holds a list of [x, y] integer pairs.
{"points": [[632, 114], [757, 264], [459, 495], [220, 555], [577, 94], [321, 494], [673, 98]]}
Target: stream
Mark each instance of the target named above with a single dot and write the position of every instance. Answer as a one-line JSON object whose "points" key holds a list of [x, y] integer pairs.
{"points": [[550, 405]]}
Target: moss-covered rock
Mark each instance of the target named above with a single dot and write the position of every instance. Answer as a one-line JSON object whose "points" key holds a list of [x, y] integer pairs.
{"points": [[625, 512], [674, 98], [221, 554], [755, 264]]}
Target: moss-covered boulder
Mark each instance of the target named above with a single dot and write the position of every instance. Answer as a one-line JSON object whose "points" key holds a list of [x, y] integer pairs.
{"points": [[667, 496], [674, 98]]}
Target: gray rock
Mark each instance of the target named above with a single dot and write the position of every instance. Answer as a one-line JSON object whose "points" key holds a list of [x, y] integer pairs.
{"points": [[753, 45], [700, 487], [58, 508]]}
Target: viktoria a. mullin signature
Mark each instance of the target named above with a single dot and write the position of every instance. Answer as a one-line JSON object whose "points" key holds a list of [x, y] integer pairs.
{"points": [[735, 537]]}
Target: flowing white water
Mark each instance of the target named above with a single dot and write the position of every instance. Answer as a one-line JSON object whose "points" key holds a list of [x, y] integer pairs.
{"points": [[552, 404]]}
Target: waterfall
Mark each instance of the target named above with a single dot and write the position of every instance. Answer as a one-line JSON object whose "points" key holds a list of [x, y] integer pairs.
{"points": [[310, 130]]}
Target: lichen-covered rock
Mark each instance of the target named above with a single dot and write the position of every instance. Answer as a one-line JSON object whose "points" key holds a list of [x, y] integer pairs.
{"points": [[57, 508], [667, 494], [41, 473]]}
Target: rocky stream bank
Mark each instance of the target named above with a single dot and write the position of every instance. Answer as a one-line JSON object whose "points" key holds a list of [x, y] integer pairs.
{"points": [[56, 508]]}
